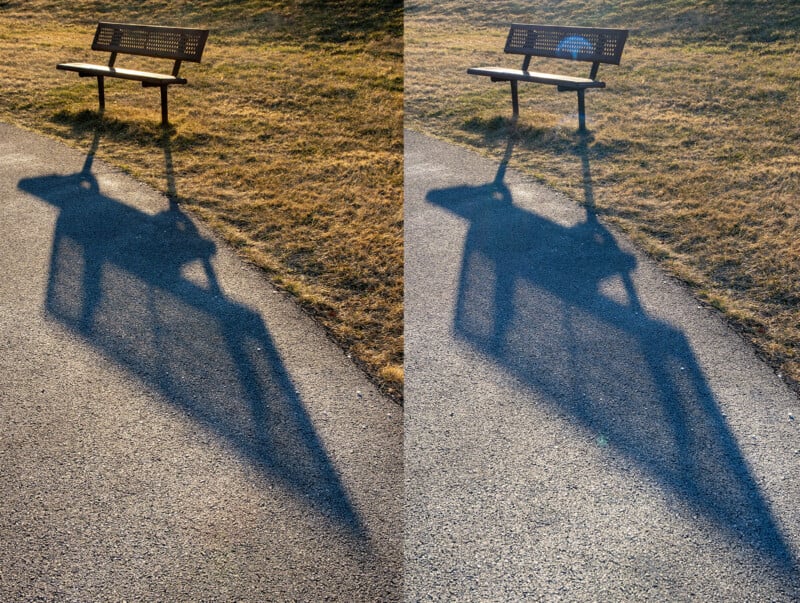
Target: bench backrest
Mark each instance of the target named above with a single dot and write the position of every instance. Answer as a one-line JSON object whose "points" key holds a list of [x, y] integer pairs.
{"points": [[593, 44], [176, 43]]}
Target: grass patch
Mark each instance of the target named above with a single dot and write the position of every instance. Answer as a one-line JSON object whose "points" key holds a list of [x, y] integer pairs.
{"points": [[287, 140], [694, 145]]}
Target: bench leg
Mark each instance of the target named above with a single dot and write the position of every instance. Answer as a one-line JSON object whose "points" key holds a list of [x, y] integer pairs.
{"points": [[164, 110], [581, 111], [101, 92], [514, 100]]}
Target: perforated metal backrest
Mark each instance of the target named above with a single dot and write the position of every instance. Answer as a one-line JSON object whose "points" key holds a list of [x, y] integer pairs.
{"points": [[177, 43], [577, 43]]}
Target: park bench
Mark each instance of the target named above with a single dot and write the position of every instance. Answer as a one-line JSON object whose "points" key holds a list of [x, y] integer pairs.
{"points": [[175, 43], [591, 44]]}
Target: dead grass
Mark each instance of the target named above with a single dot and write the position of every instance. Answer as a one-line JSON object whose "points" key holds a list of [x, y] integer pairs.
{"points": [[694, 143], [287, 140]]}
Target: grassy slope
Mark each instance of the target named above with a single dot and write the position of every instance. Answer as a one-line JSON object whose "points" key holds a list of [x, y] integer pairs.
{"points": [[288, 139], [694, 146]]}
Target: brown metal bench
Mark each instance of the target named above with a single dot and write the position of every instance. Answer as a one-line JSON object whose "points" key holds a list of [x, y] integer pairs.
{"points": [[592, 44], [175, 43]]}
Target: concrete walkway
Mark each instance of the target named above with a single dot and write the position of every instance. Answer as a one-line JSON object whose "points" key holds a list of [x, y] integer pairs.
{"points": [[173, 429], [577, 427]]}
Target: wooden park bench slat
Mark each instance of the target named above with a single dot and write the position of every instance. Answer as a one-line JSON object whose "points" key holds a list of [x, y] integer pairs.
{"points": [[175, 43], [591, 44]]}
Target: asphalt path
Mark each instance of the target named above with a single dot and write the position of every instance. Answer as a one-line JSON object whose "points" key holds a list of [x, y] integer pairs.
{"points": [[577, 426], [173, 428]]}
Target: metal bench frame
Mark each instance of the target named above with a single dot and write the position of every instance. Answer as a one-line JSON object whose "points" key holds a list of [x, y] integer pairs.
{"points": [[591, 44], [176, 43]]}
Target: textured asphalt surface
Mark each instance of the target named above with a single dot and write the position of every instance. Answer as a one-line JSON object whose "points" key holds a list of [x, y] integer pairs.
{"points": [[173, 429], [577, 427]]}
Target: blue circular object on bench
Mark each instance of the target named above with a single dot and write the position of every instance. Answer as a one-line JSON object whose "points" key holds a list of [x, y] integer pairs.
{"points": [[573, 46]]}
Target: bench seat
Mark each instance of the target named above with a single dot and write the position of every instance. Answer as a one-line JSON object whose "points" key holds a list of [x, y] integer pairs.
{"points": [[501, 74], [157, 79]]}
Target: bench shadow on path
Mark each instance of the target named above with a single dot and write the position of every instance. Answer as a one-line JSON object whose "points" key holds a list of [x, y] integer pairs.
{"points": [[555, 305], [141, 288]]}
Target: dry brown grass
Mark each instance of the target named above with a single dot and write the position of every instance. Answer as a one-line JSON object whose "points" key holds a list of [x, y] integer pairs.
{"points": [[287, 140], [694, 142]]}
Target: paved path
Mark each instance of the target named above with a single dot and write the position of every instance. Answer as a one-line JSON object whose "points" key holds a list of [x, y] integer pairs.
{"points": [[577, 427], [173, 429]]}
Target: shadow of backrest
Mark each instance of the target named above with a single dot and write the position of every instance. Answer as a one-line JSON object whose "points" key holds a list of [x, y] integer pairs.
{"points": [[554, 304], [142, 290]]}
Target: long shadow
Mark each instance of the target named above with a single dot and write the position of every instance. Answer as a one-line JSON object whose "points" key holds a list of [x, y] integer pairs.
{"points": [[556, 306], [141, 288]]}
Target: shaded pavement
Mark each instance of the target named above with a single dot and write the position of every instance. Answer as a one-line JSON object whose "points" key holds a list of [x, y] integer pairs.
{"points": [[577, 427], [173, 428]]}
